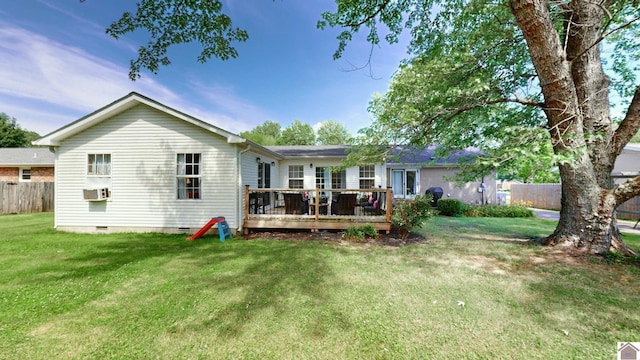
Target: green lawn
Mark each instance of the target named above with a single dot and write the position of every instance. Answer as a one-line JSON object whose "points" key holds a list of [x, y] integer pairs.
{"points": [[126, 296]]}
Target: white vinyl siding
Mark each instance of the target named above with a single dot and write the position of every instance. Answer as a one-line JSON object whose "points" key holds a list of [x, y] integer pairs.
{"points": [[143, 144]]}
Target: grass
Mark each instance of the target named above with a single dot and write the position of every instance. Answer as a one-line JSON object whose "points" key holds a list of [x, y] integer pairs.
{"points": [[72, 296]]}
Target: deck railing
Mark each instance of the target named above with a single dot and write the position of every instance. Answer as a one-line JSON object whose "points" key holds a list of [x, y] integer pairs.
{"points": [[317, 208]]}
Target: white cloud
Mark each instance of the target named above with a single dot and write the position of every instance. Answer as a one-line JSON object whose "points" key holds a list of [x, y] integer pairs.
{"points": [[46, 84], [50, 72], [235, 113]]}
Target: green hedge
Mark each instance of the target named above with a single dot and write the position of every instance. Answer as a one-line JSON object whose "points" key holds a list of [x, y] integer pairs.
{"points": [[512, 211], [450, 207]]}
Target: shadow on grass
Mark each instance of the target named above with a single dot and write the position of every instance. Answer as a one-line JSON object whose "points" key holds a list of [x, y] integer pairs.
{"points": [[236, 280]]}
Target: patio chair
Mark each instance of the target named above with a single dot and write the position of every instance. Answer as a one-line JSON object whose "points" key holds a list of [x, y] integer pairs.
{"points": [[295, 204], [344, 204], [372, 206]]}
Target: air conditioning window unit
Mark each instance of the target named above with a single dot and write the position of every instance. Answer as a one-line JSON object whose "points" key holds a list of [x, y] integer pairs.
{"points": [[97, 194]]}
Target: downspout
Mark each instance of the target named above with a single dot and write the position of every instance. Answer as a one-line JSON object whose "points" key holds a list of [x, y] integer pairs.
{"points": [[240, 203]]}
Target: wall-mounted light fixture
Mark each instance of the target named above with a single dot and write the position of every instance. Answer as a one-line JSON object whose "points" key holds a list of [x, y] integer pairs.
{"points": [[310, 165], [258, 160], [273, 163]]}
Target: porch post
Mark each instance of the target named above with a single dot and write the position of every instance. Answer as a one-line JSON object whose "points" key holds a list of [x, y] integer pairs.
{"points": [[389, 204], [246, 203], [317, 208]]}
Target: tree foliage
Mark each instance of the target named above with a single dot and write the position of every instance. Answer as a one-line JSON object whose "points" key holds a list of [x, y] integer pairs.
{"points": [[172, 22], [266, 134], [494, 74], [12, 135], [332, 132], [298, 133]]}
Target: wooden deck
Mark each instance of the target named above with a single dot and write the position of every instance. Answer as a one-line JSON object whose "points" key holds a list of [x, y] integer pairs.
{"points": [[265, 209]]}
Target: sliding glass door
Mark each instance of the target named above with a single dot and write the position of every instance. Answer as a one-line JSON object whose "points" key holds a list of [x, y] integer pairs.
{"points": [[405, 183]]}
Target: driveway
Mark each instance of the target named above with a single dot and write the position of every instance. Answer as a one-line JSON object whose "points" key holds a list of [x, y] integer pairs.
{"points": [[625, 226]]}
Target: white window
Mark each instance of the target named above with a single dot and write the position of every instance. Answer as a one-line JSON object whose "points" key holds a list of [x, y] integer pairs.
{"points": [[296, 176], [25, 174], [367, 176], [99, 164], [188, 176]]}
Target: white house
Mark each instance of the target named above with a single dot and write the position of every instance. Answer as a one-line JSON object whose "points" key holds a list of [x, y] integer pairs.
{"points": [[138, 165], [163, 170]]}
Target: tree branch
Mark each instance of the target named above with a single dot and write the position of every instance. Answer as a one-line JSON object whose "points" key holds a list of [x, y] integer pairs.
{"points": [[628, 127], [604, 36], [370, 17], [452, 113], [627, 190]]}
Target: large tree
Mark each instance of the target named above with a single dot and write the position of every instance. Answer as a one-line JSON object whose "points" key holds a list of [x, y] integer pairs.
{"points": [[332, 132], [12, 135], [266, 134], [298, 133], [488, 73], [491, 73]]}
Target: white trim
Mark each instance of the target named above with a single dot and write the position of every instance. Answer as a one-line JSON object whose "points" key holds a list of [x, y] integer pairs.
{"points": [[21, 173]]}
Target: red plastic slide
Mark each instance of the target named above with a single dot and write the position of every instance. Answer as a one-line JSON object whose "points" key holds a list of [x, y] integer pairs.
{"points": [[206, 228]]}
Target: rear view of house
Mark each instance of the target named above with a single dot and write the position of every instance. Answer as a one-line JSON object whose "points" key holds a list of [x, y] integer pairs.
{"points": [[138, 165]]}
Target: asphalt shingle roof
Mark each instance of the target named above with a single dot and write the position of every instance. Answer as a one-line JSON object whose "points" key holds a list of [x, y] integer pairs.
{"points": [[26, 157], [301, 151]]}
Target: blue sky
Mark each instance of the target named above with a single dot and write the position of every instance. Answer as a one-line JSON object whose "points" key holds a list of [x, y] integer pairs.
{"points": [[57, 65]]}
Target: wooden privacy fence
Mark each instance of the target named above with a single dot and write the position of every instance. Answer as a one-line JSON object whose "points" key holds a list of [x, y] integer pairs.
{"points": [[541, 196], [26, 197], [547, 196]]}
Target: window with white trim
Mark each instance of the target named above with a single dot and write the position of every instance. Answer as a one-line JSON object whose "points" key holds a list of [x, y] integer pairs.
{"points": [[367, 176], [296, 176], [25, 174], [188, 171], [99, 164]]}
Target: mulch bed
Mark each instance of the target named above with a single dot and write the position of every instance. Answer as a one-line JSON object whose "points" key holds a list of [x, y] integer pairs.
{"points": [[391, 239]]}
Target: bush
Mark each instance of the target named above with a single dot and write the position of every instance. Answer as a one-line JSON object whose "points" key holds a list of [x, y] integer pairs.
{"points": [[511, 211], [354, 233], [360, 233], [411, 213], [450, 207], [369, 231]]}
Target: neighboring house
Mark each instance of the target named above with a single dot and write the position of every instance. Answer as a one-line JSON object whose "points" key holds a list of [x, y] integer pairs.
{"points": [[626, 167], [138, 165], [26, 165], [627, 164]]}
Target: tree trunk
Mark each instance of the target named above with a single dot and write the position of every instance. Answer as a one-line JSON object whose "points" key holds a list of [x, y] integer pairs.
{"points": [[574, 89], [587, 220]]}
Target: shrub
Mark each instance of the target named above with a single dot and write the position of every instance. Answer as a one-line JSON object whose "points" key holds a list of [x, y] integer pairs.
{"points": [[360, 233], [369, 231], [411, 213], [511, 211], [450, 207], [354, 233]]}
